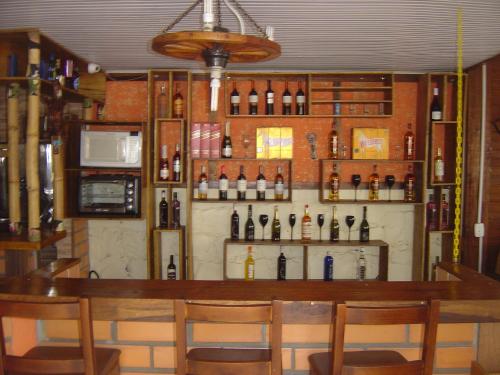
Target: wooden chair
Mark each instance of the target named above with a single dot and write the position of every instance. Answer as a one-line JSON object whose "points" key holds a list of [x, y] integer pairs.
{"points": [[228, 361], [84, 360], [378, 362]]}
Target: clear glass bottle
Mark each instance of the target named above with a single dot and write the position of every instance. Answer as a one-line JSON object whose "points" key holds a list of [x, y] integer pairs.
{"points": [[438, 166], [373, 185], [279, 185], [361, 274], [162, 102], [203, 184], [306, 225], [333, 149], [334, 193]]}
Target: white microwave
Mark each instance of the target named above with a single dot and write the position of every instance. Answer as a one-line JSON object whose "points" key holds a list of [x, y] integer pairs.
{"points": [[117, 149]]}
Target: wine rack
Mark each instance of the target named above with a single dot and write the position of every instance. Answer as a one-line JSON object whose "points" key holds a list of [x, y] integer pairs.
{"points": [[169, 132]]}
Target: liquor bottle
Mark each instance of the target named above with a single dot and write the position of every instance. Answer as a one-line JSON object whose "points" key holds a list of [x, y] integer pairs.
{"points": [[276, 226], [373, 185], [171, 270], [176, 163], [279, 185], [60, 73], [162, 102], [261, 184], [223, 184], [164, 167], [269, 99], [334, 226], [409, 186], [178, 103], [431, 213], [328, 267], [249, 265], [287, 100], [163, 210], [75, 82], [249, 226], [253, 100], [306, 225], [51, 70], [176, 212], [333, 195], [281, 267], [203, 184], [361, 274], [235, 225], [235, 100], [333, 149], [68, 73], [241, 185], [445, 213], [409, 144], [300, 101], [436, 112], [438, 166], [227, 146], [364, 228]]}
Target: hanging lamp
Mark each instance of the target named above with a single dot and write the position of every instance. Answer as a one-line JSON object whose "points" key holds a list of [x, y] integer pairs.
{"points": [[215, 44]]}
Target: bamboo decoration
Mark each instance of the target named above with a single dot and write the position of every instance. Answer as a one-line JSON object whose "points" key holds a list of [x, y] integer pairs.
{"points": [[32, 137], [58, 165], [13, 157]]}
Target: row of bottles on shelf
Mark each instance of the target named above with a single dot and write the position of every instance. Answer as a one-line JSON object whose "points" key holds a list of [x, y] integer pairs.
{"points": [[306, 225], [241, 184], [409, 185], [165, 166], [432, 213], [177, 103], [253, 100], [328, 266], [163, 212]]}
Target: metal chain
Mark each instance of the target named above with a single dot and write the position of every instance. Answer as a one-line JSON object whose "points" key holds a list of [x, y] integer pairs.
{"points": [[249, 18], [181, 16], [459, 150]]}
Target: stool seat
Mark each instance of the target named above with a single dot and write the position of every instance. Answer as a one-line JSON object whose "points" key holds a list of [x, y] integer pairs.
{"points": [[224, 355], [321, 363]]}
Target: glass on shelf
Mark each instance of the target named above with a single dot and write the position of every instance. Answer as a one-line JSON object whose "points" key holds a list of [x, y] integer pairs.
{"points": [[263, 220], [291, 220], [321, 221], [349, 220]]}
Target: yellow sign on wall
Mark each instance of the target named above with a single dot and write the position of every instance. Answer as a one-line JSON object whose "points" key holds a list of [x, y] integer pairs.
{"points": [[274, 143], [370, 143]]}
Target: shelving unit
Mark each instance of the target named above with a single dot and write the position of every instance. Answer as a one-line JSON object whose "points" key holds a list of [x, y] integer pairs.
{"points": [[163, 131], [157, 250], [383, 251]]}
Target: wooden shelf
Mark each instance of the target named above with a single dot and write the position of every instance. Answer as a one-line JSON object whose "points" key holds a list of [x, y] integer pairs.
{"points": [[353, 101], [21, 242], [350, 88], [241, 159], [366, 202], [283, 242], [216, 200], [373, 161], [169, 229]]}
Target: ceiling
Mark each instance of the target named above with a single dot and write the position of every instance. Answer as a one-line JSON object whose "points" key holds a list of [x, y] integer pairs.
{"points": [[375, 35]]}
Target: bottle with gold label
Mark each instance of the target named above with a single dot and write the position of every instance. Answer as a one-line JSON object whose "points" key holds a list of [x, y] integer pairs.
{"points": [[203, 184], [249, 265], [409, 186], [438, 166], [333, 147], [334, 185], [306, 225], [373, 185], [178, 103]]}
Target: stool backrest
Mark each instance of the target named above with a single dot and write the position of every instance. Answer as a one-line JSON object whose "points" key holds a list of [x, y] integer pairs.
{"points": [[50, 308], [427, 314], [218, 313]]}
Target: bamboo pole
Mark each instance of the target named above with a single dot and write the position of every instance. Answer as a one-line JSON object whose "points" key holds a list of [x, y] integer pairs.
{"points": [[32, 137], [58, 165], [13, 157]]}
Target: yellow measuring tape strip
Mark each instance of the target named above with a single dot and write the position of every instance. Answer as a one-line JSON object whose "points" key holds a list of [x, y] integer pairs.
{"points": [[459, 151]]}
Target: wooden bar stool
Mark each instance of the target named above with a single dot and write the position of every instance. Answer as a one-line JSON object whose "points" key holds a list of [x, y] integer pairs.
{"points": [[378, 362], [83, 360], [228, 361]]}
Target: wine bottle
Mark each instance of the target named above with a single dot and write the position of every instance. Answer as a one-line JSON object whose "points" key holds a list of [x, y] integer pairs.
{"points": [[333, 195], [269, 99], [253, 100], [164, 167], [279, 185], [60, 73], [241, 185], [431, 213], [436, 112], [176, 163], [328, 267], [281, 267], [203, 184], [438, 166], [227, 146], [287, 101], [235, 225], [300, 101], [333, 149], [276, 226], [249, 265], [223, 184], [409, 186], [162, 102], [171, 269], [235, 100], [261, 184], [361, 265], [163, 210], [249, 226], [334, 226], [445, 213], [373, 185], [409, 144], [306, 225], [178, 103], [176, 212], [364, 228], [68, 73]]}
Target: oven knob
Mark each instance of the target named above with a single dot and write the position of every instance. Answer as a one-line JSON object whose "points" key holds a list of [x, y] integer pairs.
{"points": [[130, 185], [130, 200], [130, 207], [130, 192]]}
